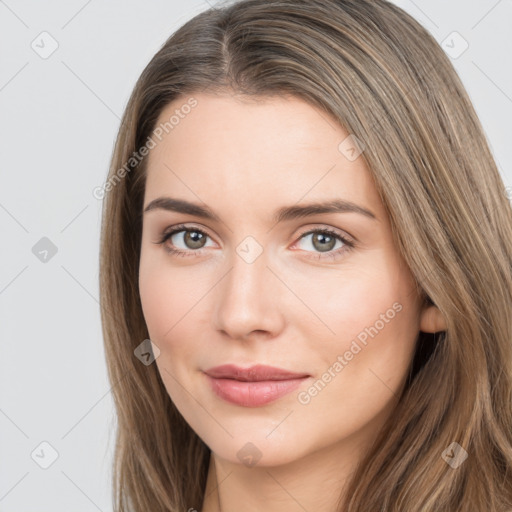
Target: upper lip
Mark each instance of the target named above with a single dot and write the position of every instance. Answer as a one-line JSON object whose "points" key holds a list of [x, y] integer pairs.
{"points": [[254, 373]]}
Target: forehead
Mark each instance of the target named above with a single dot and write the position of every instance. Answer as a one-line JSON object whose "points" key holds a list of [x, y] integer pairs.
{"points": [[253, 151], [290, 117]]}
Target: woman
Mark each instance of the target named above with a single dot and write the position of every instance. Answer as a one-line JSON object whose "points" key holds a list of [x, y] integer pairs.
{"points": [[306, 271]]}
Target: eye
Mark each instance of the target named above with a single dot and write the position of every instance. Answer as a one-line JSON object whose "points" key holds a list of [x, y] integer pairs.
{"points": [[323, 241], [186, 241], [189, 241]]}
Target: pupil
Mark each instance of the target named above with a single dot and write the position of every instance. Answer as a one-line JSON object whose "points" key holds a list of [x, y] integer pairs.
{"points": [[195, 239], [325, 242]]}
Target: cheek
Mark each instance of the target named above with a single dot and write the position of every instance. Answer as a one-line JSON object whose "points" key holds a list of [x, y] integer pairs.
{"points": [[161, 296], [168, 300], [154, 298], [369, 318], [355, 299], [358, 371], [170, 303]]}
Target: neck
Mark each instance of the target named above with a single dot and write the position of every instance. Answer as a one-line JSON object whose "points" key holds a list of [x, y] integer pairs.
{"points": [[314, 482]]}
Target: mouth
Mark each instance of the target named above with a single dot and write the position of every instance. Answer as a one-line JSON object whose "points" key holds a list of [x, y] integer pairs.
{"points": [[254, 386]]}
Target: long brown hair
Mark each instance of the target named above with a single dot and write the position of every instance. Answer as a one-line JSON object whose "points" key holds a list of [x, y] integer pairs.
{"points": [[387, 81]]}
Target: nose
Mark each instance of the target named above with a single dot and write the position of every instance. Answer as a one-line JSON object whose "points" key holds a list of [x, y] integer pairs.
{"points": [[249, 300]]}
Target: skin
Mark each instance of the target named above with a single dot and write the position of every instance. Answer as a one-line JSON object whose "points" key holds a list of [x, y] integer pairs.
{"points": [[293, 307]]}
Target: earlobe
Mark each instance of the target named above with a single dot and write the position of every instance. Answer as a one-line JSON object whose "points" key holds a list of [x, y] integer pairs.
{"points": [[432, 320]]}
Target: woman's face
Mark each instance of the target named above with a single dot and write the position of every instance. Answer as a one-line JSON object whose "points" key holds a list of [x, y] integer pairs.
{"points": [[258, 281]]}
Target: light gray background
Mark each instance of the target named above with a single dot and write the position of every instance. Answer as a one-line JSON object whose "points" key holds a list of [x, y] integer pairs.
{"points": [[59, 118]]}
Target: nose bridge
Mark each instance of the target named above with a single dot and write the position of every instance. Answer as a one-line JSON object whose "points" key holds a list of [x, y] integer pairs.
{"points": [[247, 298]]}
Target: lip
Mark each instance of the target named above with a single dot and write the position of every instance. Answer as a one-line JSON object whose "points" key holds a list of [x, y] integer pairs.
{"points": [[254, 386]]}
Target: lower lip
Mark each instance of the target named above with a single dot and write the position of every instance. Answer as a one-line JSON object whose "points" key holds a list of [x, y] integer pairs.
{"points": [[253, 394]]}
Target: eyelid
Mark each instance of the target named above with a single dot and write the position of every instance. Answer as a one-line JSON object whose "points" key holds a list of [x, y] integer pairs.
{"points": [[172, 230], [347, 240], [302, 232], [341, 233], [186, 226]]}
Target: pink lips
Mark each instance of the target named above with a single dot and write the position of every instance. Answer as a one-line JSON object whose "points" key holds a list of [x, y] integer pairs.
{"points": [[254, 386]]}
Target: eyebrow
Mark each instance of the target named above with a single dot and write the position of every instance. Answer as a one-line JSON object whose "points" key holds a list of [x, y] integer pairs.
{"points": [[285, 213]]}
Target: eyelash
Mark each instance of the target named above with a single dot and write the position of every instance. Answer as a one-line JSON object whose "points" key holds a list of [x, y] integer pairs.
{"points": [[334, 255]]}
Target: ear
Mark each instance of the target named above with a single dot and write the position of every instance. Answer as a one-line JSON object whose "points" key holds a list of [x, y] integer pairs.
{"points": [[431, 319]]}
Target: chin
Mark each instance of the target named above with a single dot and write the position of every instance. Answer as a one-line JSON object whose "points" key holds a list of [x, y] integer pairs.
{"points": [[254, 448]]}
